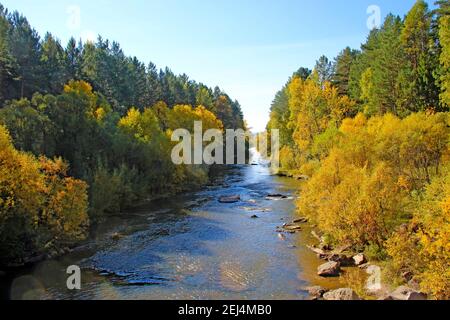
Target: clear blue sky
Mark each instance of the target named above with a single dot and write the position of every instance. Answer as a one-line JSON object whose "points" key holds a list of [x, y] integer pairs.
{"points": [[247, 47]]}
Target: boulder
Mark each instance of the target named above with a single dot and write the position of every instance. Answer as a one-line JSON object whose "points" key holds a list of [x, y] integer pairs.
{"points": [[359, 259], [329, 269], [230, 199], [343, 260], [341, 294], [254, 216], [407, 293], [316, 292]]}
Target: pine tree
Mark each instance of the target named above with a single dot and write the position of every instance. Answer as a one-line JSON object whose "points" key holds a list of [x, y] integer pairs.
{"points": [[73, 53], [26, 49], [325, 69], [343, 63], [6, 59], [417, 41], [54, 65], [444, 36]]}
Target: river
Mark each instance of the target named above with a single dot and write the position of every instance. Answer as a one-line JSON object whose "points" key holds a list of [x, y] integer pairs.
{"points": [[190, 247]]}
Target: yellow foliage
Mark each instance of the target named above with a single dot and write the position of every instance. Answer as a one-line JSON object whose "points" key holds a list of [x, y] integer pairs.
{"points": [[361, 190], [38, 193], [423, 247]]}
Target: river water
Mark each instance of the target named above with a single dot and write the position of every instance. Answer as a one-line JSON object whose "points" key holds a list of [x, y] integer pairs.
{"points": [[190, 247]]}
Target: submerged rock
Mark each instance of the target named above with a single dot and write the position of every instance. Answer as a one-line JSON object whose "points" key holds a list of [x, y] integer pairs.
{"points": [[329, 269], [275, 196], [229, 199], [282, 237], [301, 220], [341, 294], [292, 227]]}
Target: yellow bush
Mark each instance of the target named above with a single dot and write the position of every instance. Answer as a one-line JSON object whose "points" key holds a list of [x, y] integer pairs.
{"points": [[39, 204]]}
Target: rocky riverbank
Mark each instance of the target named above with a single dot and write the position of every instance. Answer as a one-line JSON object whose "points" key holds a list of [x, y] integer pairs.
{"points": [[336, 258]]}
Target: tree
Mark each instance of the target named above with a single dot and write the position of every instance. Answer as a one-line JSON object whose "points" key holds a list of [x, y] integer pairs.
{"points": [[362, 62], [26, 49], [417, 42], [41, 208], [74, 55], [343, 63], [204, 98], [54, 65], [303, 73], [444, 36], [324, 69], [154, 91], [391, 90], [6, 59]]}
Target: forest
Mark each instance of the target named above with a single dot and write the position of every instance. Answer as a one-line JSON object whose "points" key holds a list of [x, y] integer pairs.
{"points": [[85, 131], [371, 131]]}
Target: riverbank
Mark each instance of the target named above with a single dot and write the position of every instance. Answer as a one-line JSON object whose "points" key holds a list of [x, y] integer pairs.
{"points": [[358, 275]]}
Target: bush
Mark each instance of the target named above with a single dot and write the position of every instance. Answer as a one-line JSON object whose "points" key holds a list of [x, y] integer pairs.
{"points": [[40, 206]]}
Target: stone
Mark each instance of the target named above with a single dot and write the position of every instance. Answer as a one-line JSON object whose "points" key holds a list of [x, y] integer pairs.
{"points": [[329, 269], [292, 227], [359, 259], [407, 293], [276, 196], [254, 216], [343, 260], [230, 199], [341, 294], [316, 291], [300, 220]]}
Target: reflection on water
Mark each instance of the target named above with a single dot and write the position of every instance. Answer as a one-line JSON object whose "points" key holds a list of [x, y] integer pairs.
{"points": [[191, 247]]}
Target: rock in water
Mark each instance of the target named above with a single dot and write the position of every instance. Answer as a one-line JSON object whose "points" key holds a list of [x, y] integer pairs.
{"points": [[329, 269], [230, 199], [406, 293], [341, 294], [254, 216], [316, 292], [300, 220], [359, 259], [276, 196]]}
